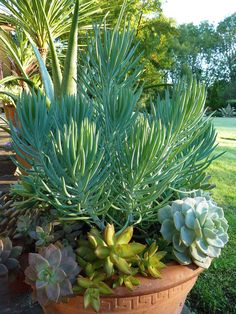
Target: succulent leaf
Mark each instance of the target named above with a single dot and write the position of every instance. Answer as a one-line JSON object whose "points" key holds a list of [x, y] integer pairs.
{"points": [[121, 264], [190, 219], [66, 288], [129, 250], [154, 272], [39, 284], [182, 258], [187, 236], [164, 213], [178, 220], [109, 234], [86, 252], [54, 255], [11, 263], [53, 292], [102, 252], [108, 267], [3, 270], [167, 229], [84, 282], [178, 244], [126, 236], [91, 297], [105, 289]]}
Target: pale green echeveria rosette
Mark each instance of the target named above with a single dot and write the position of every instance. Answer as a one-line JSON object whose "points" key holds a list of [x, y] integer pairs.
{"points": [[197, 229]]}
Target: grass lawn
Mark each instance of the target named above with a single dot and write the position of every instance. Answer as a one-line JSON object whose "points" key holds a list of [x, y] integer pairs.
{"points": [[215, 291]]}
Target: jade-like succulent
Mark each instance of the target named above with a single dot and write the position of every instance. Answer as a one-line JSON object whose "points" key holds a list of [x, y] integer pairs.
{"points": [[93, 287], [52, 273], [115, 250], [8, 256], [128, 280], [112, 258], [197, 229], [150, 263]]}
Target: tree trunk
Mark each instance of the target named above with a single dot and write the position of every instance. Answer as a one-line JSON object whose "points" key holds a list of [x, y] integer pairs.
{"points": [[43, 52]]}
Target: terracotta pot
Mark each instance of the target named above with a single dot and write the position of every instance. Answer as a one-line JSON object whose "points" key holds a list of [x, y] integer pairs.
{"points": [[154, 296], [18, 286], [10, 112]]}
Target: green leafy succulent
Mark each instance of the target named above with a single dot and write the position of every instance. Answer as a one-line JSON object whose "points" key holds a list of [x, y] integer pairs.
{"points": [[92, 288], [24, 225], [52, 273], [8, 256], [150, 263], [197, 229], [128, 280], [115, 250], [112, 258], [42, 235]]}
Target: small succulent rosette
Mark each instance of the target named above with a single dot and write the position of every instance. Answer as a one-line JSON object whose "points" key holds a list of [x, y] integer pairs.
{"points": [[52, 273], [197, 229]]}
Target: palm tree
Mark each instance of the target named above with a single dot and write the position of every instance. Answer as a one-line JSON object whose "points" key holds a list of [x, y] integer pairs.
{"points": [[19, 53], [27, 15]]}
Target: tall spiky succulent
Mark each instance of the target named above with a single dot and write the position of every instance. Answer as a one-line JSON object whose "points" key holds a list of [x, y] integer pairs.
{"points": [[93, 156], [8, 256], [197, 229], [52, 272]]}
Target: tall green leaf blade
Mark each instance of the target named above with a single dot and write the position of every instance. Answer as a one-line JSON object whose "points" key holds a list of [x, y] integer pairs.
{"points": [[47, 81], [70, 68], [56, 70]]}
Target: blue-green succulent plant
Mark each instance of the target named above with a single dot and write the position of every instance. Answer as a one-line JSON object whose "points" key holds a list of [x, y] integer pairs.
{"points": [[197, 229]]}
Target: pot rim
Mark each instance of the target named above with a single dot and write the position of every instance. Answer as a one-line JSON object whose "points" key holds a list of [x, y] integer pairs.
{"points": [[171, 276]]}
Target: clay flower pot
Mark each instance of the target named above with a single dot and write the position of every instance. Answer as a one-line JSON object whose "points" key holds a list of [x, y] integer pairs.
{"points": [[154, 296], [18, 286]]}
